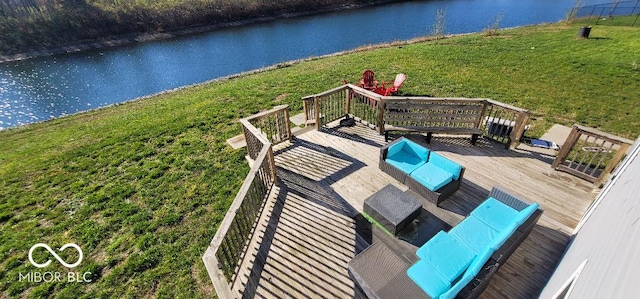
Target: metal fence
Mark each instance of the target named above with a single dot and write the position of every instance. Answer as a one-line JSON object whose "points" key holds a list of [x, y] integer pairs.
{"points": [[621, 13]]}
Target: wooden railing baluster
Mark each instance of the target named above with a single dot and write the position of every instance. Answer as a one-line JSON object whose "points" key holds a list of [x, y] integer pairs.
{"points": [[582, 148], [228, 247]]}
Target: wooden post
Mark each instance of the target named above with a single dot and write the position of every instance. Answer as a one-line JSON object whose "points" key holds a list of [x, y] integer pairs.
{"points": [[566, 147], [518, 130], [316, 108], [220, 284], [380, 118], [286, 119], [485, 103], [272, 165], [305, 106], [622, 151], [347, 106]]}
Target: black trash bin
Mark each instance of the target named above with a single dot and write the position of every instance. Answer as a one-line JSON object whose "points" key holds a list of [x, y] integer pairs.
{"points": [[584, 32]]}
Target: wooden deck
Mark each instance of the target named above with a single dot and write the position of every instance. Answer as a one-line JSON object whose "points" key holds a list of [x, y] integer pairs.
{"points": [[309, 230]]}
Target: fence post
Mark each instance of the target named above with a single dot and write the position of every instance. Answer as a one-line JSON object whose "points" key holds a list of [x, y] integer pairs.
{"points": [[482, 117], [316, 108], [347, 107], [272, 165], [305, 106], [622, 151], [222, 287], [518, 130], [566, 147], [380, 118], [286, 119]]}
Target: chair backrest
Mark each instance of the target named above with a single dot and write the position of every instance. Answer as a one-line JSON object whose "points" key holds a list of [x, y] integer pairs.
{"points": [[368, 78], [399, 80]]}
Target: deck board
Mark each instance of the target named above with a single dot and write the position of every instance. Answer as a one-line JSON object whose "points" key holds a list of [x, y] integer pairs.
{"points": [[307, 232]]}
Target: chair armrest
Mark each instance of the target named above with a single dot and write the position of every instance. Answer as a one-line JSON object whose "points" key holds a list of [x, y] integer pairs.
{"points": [[385, 149], [384, 84]]}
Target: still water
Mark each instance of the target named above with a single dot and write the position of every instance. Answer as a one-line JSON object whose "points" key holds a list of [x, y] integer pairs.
{"points": [[43, 88]]}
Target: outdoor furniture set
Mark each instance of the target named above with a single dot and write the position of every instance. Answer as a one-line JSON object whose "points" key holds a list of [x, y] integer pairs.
{"points": [[429, 174], [369, 82], [458, 263], [451, 260]]}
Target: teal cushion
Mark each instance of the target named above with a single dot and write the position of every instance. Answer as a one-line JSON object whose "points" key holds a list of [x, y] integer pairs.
{"points": [[474, 233], [446, 164], [415, 149], [404, 161], [396, 147], [495, 214], [431, 176], [446, 254], [457, 287], [428, 279], [479, 261], [518, 220], [526, 213], [504, 235], [472, 271]]}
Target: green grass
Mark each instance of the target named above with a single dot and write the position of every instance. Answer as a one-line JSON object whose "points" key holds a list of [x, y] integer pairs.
{"points": [[142, 186]]}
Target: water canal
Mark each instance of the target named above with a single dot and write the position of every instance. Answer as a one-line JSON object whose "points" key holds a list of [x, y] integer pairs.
{"points": [[43, 88]]}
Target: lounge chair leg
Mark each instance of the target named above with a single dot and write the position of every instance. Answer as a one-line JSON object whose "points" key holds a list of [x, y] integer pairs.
{"points": [[386, 136], [429, 137]]}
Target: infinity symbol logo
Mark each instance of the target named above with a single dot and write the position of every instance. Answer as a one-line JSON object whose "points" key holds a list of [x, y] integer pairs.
{"points": [[65, 246]]}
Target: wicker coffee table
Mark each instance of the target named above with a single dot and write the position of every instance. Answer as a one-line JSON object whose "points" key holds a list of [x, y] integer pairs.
{"points": [[392, 208]]}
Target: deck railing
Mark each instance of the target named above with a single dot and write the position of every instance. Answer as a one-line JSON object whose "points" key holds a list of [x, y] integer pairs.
{"points": [[366, 107], [504, 123], [225, 253], [591, 154], [501, 122], [272, 125]]}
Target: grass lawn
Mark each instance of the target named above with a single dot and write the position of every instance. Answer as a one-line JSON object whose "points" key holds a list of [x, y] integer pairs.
{"points": [[141, 187]]}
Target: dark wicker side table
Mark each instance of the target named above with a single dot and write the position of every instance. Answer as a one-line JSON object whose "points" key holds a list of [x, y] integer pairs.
{"points": [[392, 208]]}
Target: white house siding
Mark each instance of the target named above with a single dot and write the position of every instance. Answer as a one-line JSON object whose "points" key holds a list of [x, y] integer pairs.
{"points": [[610, 240]]}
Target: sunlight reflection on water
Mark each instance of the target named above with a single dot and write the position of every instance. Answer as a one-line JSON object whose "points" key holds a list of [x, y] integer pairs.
{"points": [[44, 88]]}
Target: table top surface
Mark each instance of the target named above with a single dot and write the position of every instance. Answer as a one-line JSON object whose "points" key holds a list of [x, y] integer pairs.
{"points": [[392, 203]]}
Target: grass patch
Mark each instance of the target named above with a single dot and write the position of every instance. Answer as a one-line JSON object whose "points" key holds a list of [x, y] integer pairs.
{"points": [[143, 186]]}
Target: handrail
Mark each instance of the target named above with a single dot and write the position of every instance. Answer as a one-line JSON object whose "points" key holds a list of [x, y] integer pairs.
{"points": [[507, 106], [228, 247], [269, 112], [420, 98], [369, 107], [364, 92], [591, 154], [504, 123], [271, 126], [604, 135]]}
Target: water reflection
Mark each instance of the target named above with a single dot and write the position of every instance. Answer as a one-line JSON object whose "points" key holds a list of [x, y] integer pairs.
{"points": [[43, 88]]}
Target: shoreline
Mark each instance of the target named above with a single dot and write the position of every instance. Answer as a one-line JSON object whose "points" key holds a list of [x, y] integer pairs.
{"points": [[248, 73], [133, 38]]}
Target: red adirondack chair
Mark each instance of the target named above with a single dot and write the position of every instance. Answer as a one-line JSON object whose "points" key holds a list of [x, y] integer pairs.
{"points": [[385, 91], [368, 81]]}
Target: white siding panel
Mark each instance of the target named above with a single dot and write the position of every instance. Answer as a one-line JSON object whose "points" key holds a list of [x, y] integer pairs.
{"points": [[610, 240]]}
